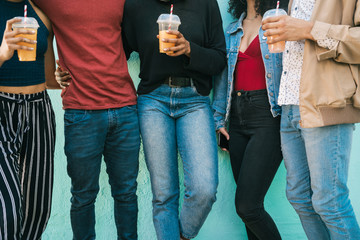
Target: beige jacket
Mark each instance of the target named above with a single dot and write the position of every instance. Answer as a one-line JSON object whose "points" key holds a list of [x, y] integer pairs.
{"points": [[329, 85]]}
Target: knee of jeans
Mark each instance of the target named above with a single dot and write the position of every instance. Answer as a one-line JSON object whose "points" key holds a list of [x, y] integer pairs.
{"points": [[83, 199], [330, 206], [205, 194], [303, 206], [127, 197]]}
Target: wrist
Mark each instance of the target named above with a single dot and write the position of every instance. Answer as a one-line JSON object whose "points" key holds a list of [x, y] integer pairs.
{"points": [[188, 49], [2, 59], [308, 34]]}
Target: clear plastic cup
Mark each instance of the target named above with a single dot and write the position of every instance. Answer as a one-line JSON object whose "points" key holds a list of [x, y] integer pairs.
{"points": [[279, 46], [27, 23], [167, 22]]}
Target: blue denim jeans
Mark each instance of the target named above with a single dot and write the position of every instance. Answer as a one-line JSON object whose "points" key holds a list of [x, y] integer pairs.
{"points": [[90, 135], [174, 119], [317, 161]]}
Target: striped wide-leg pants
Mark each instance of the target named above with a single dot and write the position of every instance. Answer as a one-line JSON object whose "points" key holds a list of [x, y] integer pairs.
{"points": [[27, 141]]}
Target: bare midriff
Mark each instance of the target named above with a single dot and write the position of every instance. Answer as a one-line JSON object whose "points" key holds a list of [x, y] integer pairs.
{"points": [[24, 90]]}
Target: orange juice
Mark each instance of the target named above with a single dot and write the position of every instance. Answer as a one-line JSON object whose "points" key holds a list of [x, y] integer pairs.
{"points": [[279, 46], [164, 35], [167, 22], [27, 23], [26, 55], [276, 47]]}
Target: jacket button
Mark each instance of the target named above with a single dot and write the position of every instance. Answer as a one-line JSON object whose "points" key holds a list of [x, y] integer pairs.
{"points": [[239, 94], [271, 94], [269, 75], [267, 56]]}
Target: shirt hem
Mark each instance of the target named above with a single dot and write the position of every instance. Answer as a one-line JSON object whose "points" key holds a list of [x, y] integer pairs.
{"points": [[84, 107]]}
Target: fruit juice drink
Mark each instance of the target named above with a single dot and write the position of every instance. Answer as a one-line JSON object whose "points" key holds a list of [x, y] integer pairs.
{"points": [[27, 23]]}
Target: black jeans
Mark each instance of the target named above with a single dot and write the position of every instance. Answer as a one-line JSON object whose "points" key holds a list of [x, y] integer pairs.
{"points": [[255, 155]]}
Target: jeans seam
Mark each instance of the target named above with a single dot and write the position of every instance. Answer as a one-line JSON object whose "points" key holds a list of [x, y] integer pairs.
{"points": [[336, 173]]}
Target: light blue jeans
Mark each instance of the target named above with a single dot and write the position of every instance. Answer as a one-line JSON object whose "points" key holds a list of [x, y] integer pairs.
{"points": [[174, 119], [317, 162]]}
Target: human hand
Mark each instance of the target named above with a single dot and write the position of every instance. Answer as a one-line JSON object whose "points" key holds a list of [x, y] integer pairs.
{"points": [[62, 77], [286, 28], [226, 134], [10, 40], [182, 46]]}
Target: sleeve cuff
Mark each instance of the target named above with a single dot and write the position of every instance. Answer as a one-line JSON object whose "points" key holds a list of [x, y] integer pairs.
{"points": [[320, 32], [189, 63]]}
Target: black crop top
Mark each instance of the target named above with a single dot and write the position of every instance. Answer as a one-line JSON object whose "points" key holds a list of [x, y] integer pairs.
{"points": [[16, 73]]}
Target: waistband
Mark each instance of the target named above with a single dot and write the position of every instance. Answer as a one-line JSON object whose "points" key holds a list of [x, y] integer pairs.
{"points": [[249, 93], [19, 98]]}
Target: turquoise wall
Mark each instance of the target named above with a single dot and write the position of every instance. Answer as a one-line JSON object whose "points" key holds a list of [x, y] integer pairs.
{"points": [[222, 223]]}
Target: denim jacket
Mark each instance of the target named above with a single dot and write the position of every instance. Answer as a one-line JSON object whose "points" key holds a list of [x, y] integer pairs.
{"points": [[223, 83]]}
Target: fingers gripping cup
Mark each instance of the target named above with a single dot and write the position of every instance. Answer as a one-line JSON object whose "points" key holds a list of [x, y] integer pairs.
{"points": [[279, 46], [27, 23], [167, 22]]}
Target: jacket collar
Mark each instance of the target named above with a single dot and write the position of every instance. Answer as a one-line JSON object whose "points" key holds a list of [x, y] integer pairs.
{"points": [[236, 26]]}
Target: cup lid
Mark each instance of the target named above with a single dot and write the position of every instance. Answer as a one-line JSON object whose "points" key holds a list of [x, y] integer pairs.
{"points": [[174, 19], [274, 12], [26, 22]]}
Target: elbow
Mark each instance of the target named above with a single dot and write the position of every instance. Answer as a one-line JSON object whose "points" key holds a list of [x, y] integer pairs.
{"points": [[52, 85]]}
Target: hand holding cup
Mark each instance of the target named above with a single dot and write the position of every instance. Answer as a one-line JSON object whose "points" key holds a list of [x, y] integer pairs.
{"points": [[15, 40], [274, 45], [179, 45]]}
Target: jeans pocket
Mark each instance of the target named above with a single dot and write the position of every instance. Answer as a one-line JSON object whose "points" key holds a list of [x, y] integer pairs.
{"points": [[260, 102], [74, 116]]}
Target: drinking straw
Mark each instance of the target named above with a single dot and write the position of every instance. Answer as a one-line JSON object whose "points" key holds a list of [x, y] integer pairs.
{"points": [[25, 13], [25, 10], [277, 4], [171, 12]]}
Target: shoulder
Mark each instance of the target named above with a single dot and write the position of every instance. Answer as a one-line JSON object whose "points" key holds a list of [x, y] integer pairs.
{"points": [[231, 25], [42, 16]]}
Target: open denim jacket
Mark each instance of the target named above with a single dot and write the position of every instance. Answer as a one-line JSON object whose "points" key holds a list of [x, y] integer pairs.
{"points": [[223, 83]]}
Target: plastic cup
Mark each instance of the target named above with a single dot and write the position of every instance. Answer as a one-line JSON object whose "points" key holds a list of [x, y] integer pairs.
{"points": [[167, 22], [27, 23], [279, 46]]}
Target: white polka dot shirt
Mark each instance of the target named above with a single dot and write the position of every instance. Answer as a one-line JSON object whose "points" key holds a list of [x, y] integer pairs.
{"points": [[293, 57]]}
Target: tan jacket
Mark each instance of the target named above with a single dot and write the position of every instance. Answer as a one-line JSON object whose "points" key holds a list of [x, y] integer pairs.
{"points": [[329, 85]]}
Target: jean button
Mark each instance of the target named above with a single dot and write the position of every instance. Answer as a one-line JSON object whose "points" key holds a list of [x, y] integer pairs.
{"points": [[239, 94]]}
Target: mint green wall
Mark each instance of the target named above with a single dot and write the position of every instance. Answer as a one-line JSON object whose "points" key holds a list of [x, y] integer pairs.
{"points": [[222, 223]]}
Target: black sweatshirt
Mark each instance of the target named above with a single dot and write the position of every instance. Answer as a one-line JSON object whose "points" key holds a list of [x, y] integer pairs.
{"points": [[201, 25]]}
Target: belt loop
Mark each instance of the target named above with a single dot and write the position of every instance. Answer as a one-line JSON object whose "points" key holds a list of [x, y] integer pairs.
{"points": [[170, 82]]}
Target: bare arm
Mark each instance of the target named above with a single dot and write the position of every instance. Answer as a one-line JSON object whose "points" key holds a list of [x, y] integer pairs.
{"points": [[286, 28], [49, 55]]}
